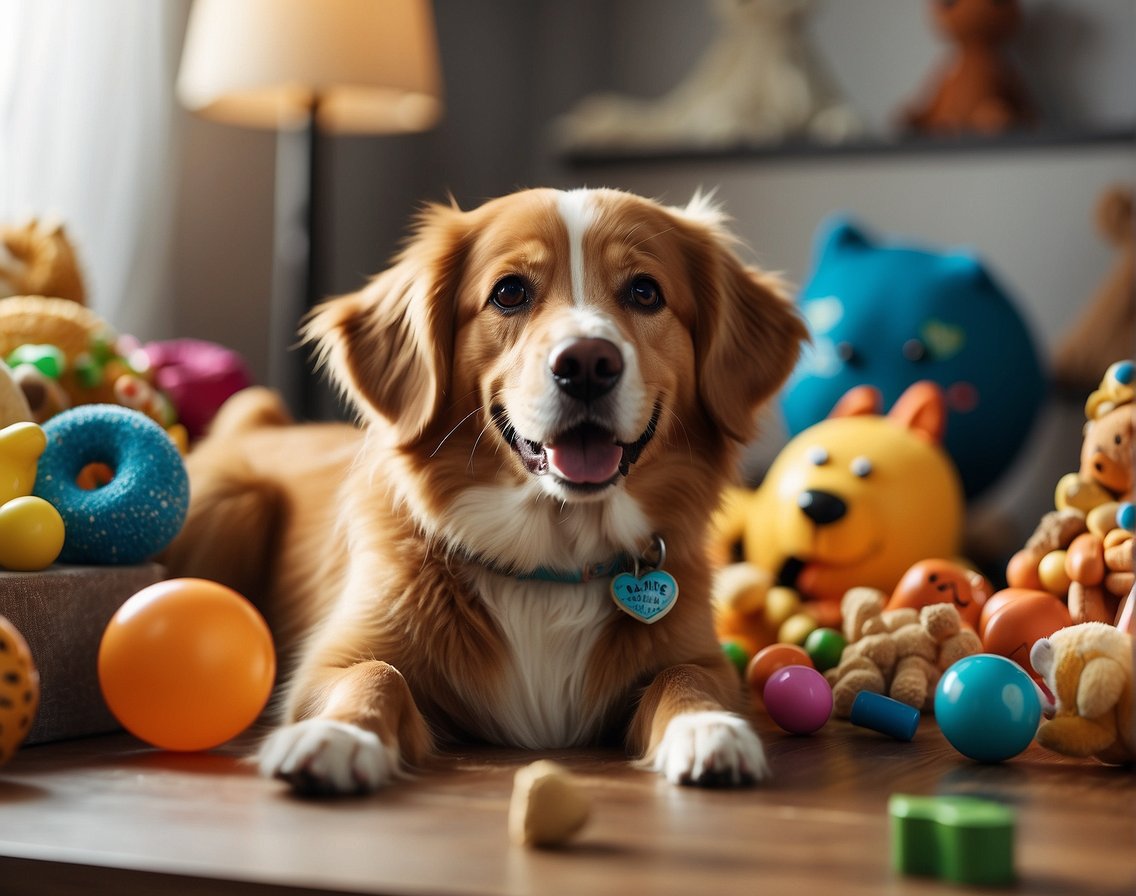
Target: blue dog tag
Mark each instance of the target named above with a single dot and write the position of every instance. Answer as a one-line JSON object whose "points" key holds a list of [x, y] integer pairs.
{"points": [[648, 597]]}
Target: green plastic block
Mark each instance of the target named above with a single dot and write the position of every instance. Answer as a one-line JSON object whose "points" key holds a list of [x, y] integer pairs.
{"points": [[956, 838]]}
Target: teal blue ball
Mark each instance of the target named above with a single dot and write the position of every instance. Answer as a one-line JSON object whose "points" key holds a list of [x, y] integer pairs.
{"points": [[988, 707], [136, 514]]}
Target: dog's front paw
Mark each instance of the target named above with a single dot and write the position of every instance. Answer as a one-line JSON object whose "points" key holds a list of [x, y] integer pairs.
{"points": [[710, 749], [319, 756]]}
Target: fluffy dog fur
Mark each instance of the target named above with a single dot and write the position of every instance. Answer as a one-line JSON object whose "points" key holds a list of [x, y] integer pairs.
{"points": [[393, 559]]}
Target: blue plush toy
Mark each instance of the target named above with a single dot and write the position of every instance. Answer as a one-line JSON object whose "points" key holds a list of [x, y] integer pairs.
{"points": [[889, 314]]}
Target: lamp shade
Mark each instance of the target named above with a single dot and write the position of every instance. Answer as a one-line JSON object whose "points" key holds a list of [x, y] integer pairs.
{"points": [[364, 66]]}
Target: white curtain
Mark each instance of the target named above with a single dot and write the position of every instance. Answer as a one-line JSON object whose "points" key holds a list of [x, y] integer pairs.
{"points": [[87, 121]]}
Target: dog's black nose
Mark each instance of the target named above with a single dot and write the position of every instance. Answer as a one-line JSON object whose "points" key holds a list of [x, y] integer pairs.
{"points": [[821, 507], [586, 369]]}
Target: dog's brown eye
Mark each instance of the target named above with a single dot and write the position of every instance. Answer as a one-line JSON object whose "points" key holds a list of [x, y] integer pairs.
{"points": [[510, 294], [645, 293]]}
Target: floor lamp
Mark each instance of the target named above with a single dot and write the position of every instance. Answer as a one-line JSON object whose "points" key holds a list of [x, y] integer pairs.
{"points": [[320, 67]]}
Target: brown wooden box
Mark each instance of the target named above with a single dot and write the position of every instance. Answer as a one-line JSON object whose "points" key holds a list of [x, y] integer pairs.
{"points": [[62, 613]]}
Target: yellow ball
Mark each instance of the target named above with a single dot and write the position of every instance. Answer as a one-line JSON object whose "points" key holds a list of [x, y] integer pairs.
{"points": [[780, 604], [19, 690], [796, 629], [31, 534], [1051, 573]]}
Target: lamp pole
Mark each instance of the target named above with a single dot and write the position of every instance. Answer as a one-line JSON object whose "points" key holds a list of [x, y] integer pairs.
{"points": [[296, 260]]}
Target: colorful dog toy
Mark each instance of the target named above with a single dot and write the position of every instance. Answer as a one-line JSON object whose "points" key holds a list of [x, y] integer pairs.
{"points": [[1081, 552], [1088, 668], [798, 699], [853, 501], [134, 515], [901, 653], [1014, 619], [197, 376], [19, 690], [892, 314], [937, 581], [987, 707], [885, 715], [956, 838], [186, 664]]}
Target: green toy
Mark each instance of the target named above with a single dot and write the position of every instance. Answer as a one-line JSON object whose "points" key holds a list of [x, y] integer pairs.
{"points": [[961, 839]]}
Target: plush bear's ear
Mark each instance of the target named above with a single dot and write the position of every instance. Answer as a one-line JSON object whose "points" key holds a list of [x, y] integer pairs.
{"points": [[859, 401], [388, 346], [840, 234], [922, 408]]}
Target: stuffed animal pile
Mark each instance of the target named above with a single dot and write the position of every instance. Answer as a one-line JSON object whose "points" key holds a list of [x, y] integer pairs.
{"points": [[56, 353], [1082, 551], [900, 653]]}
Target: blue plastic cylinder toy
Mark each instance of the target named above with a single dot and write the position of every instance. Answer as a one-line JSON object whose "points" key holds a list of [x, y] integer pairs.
{"points": [[885, 715]]}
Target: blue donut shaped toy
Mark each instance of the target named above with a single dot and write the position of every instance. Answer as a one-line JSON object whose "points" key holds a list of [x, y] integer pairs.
{"points": [[143, 506]]}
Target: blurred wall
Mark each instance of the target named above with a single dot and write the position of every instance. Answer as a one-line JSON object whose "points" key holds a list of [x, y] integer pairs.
{"points": [[510, 66]]}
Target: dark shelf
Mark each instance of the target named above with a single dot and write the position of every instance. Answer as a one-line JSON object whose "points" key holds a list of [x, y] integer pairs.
{"points": [[805, 150]]}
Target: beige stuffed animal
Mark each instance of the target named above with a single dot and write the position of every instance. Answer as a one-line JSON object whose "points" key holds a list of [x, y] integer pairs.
{"points": [[1088, 667], [13, 404], [760, 80], [900, 653], [37, 258]]}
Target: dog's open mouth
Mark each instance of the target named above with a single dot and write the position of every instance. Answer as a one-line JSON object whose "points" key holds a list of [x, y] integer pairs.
{"points": [[586, 456]]}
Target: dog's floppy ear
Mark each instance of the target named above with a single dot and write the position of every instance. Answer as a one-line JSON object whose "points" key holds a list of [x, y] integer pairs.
{"points": [[747, 334], [388, 346]]}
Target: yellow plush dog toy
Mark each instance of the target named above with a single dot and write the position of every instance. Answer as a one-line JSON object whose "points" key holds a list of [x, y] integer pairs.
{"points": [[854, 500], [1088, 667]]}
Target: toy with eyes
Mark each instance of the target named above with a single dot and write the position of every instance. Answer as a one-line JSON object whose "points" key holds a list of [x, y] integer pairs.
{"points": [[854, 500], [888, 315]]}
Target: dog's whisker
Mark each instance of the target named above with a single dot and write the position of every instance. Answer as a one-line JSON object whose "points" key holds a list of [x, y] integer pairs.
{"points": [[476, 442], [682, 428], [455, 429]]}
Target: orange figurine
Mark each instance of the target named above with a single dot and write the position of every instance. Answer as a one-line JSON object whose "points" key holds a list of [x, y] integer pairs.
{"points": [[942, 582], [978, 90]]}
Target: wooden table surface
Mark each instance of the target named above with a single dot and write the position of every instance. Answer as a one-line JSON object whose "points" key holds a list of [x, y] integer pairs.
{"points": [[110, 815]]}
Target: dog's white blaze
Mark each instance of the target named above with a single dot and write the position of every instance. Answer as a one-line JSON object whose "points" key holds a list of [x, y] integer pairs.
{"points": [[578, 212]]}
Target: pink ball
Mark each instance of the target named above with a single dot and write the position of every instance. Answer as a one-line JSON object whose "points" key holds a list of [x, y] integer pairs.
{"points": [[798, 699]]}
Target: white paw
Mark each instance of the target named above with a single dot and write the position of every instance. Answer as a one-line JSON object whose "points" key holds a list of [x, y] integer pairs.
{"points": [[710, 748], [319, 756]]}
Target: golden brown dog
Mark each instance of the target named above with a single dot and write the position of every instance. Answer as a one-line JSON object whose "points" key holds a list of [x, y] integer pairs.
{"points": [[552, 391]]}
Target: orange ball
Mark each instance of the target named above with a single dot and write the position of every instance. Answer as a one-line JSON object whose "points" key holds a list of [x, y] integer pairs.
{"points": [[769, 660], [186, 664]]}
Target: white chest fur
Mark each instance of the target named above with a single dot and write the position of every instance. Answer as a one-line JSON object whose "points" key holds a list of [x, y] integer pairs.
{"points": [[550, 630]]}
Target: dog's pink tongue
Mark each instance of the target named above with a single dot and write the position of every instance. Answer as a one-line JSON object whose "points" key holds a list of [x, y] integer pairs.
{"points": [[585, 455]]}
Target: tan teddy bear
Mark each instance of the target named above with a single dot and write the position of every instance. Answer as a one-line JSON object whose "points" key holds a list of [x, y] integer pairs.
{"points": [[37, 258], [1088, 667], [900, 653]]}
